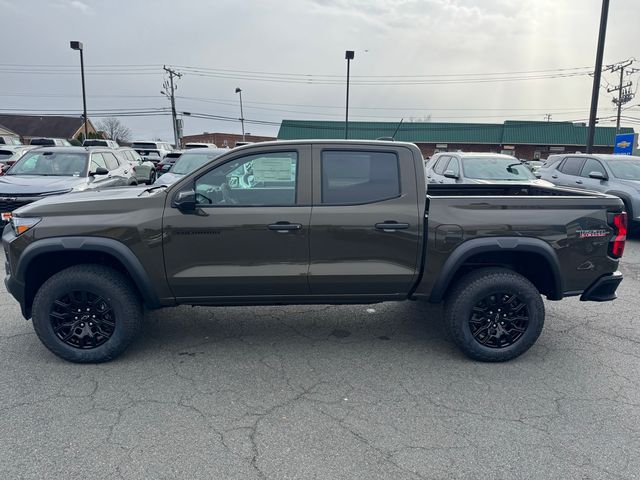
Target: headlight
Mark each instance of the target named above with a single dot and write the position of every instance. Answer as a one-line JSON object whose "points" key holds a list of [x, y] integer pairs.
{"points": [[22, 224]]}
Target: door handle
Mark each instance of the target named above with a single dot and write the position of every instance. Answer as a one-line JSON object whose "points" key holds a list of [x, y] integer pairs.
{"points": [[391, 226], [579, 181], [284, 227], [554, 176]]}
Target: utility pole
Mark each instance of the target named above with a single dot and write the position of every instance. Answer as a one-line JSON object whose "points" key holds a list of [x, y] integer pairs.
{"points": [[624, 91], [171, 95], [348, 56], [548, 117], [597, 75]]}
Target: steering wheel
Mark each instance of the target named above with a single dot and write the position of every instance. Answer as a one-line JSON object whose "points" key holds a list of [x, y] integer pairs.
{"points": [[200, 199], [227, 194]]}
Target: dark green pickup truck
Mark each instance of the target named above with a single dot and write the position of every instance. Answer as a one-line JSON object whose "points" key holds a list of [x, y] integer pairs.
{"points": [[324, 222]]}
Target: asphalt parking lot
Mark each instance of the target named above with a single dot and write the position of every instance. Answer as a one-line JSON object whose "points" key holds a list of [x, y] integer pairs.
{"points": [[328, 392]]}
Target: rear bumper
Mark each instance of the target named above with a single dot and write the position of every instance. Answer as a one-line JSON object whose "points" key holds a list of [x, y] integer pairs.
{"points": [[603, 289]]}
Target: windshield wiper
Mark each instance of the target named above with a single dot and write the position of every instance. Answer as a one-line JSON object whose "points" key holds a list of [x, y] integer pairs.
{"points": [[150, 189]]}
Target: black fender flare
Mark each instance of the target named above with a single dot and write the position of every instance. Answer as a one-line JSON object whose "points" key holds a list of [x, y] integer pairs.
{"points": [[496, 244], [100, 244], [626, 198]]}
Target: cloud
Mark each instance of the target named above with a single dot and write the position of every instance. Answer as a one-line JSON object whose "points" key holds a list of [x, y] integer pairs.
{"points": [[78, 5]]}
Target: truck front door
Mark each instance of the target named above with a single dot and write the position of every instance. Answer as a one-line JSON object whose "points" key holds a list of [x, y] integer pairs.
{"points": [[249, 234], [365, 224]]}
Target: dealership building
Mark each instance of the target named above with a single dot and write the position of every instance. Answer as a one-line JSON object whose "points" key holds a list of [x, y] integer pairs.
{"points": [[523, 139]]}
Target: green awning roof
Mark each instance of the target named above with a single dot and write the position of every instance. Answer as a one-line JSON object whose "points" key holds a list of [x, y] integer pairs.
{"points": [[507, 133]]}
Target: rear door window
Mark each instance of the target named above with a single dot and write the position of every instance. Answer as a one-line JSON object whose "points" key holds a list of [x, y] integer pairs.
{"points": [[572, 166], [351, 177]]}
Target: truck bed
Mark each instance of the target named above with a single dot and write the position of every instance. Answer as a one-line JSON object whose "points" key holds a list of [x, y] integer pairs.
{"points": [[502, 190]]}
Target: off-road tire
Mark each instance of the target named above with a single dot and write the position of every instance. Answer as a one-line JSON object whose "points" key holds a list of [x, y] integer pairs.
{"points": [[106, 282], [485, 283]]}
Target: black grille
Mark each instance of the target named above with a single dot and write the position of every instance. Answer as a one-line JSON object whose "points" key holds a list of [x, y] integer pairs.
{"points": [[11, 205]]}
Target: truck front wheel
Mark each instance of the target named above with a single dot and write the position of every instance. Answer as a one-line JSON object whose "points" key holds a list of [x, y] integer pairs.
{"points": [[494, 314], [87, 313]]}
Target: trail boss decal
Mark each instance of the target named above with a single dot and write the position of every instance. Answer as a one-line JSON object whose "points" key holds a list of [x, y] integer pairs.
{"points": [[592, 233]]}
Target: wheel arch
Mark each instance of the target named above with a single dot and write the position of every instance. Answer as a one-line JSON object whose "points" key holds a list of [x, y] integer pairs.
{"points": [[538, 256], [626, 199], [48, 256]]}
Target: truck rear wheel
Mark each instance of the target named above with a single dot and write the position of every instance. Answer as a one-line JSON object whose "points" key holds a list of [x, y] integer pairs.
{"points": [[494, 314], [87, 313]]}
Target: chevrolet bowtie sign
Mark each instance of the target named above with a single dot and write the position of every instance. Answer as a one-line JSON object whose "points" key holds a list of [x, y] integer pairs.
{"points": [[625, 144]]}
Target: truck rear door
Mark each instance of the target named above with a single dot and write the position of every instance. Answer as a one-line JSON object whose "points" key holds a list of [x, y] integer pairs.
{"points": [[366, 220]]}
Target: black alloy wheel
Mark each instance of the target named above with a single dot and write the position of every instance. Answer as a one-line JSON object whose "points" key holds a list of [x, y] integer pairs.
{"points": [[499, 320], [494, 314], [87, 313], [82, 319]]}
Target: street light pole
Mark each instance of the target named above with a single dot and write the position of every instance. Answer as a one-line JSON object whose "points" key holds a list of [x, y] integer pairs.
{"points": [[78, 46], [597, 74], [349, 54], [239, 91]]}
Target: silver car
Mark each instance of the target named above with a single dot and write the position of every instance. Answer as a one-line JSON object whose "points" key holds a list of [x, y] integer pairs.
{"points": [[617, 175], [143, 170], [474, 168]]}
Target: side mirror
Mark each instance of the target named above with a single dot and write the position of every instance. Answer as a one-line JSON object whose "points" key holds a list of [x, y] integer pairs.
{"points": [[598, 176], [5, 167], [185, 200], [451, 174], [537, 174], [99, 171]]}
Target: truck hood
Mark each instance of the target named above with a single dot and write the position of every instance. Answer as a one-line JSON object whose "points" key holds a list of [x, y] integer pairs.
{"points": [[634, 184], [34, 184], [168, 178], [109, 200]]}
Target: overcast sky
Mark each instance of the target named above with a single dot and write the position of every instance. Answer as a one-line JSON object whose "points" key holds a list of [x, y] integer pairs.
{"points": [[298, 46]]}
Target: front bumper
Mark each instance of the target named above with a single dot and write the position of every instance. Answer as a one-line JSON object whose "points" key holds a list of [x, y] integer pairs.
{"points": [[603, 289]]}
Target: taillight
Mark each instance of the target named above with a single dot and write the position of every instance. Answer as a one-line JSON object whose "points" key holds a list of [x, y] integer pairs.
{"points": [[616, 247]]}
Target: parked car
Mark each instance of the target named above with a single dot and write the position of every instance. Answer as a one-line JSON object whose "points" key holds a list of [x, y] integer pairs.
{"points": [[50, 142], [187, 163], [325, 222], [167, 162], [617, 175], [47, 171], [471, 168], [9, 140], [99, 142], [190, 145], [534, 165], [147, 148], [10, 154], [145, 171]]}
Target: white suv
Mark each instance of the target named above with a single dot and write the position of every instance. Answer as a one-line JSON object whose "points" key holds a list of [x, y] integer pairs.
{"points": [[145, 148]]}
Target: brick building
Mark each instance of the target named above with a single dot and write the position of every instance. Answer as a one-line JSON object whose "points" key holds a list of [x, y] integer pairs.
{"points": [[522, 139], [223, 140]]}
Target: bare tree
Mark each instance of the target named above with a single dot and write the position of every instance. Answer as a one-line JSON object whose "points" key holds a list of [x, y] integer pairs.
{"points": [[115, 130]]}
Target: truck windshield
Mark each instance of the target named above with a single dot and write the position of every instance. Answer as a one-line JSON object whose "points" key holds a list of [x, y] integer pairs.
{"points": [[627, 169], [495, 168], [51, 164]]}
